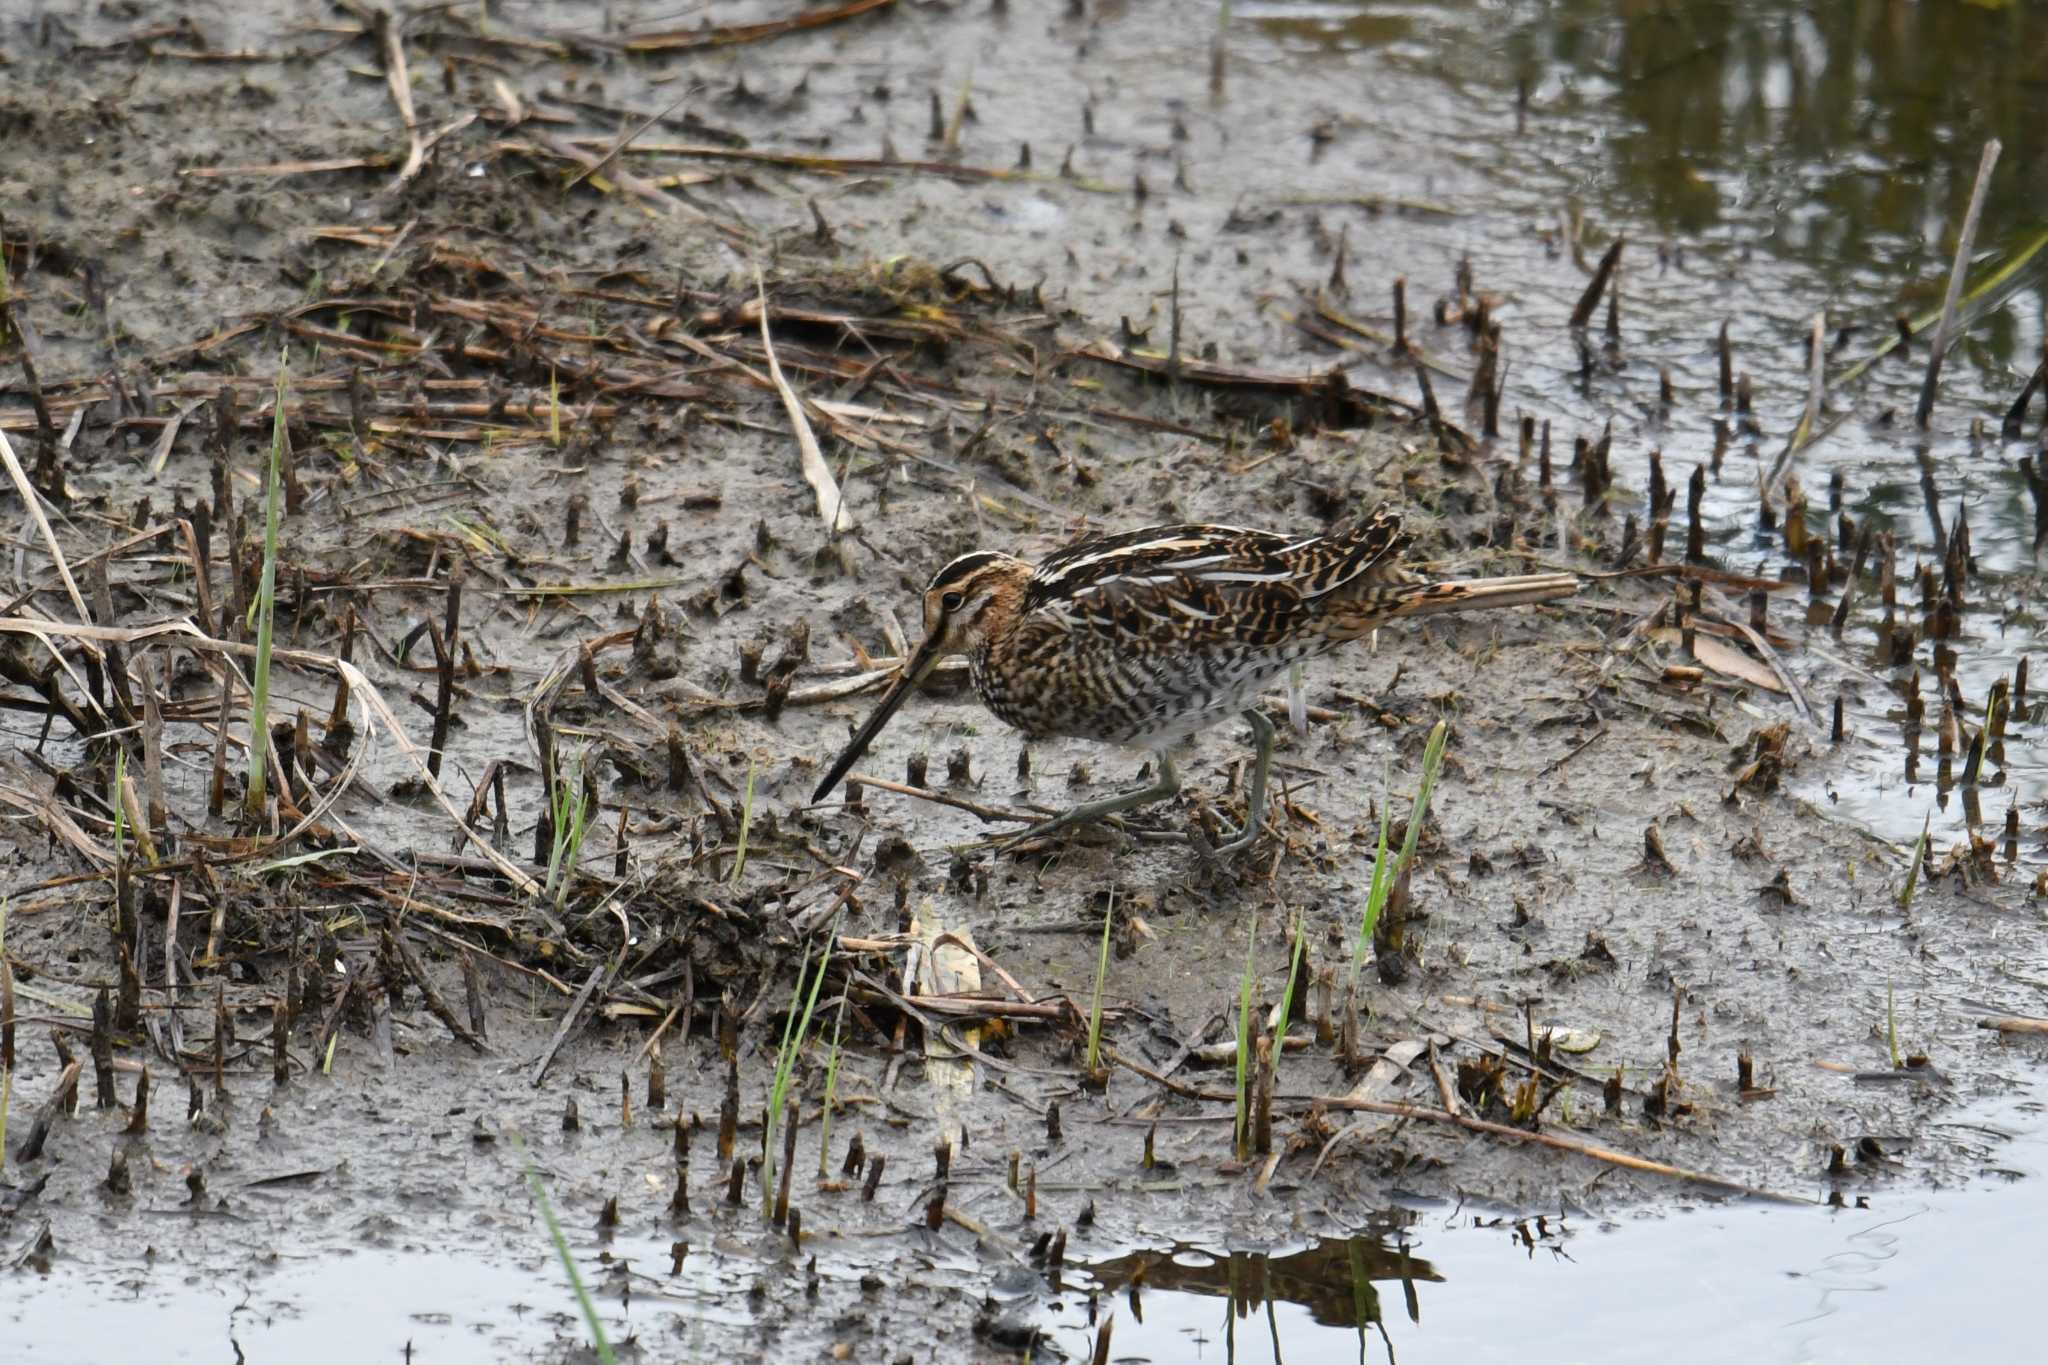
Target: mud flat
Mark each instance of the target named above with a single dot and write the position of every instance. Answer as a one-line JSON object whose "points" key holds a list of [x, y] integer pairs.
{"points": [[565, 620]]}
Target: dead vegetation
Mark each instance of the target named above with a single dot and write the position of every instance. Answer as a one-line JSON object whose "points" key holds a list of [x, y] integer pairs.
{"points": [[524, 500]]}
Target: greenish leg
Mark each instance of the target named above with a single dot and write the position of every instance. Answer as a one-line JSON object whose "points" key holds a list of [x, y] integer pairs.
{"points": [[1162, 788], [1255, 812]]}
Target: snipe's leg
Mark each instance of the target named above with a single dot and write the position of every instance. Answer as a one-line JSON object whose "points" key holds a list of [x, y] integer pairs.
{"points": [[1162, 788], [1255, 811]]}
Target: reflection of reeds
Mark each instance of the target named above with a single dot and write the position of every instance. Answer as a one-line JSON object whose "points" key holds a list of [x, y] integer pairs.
{"points": [[1217, 50]]}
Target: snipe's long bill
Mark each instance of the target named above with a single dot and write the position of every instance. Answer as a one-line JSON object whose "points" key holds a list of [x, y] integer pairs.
{"points": [[1144, 638]]}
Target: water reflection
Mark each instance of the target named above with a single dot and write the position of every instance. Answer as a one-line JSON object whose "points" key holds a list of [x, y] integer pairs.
{"points": [[1847, 132], [1772, 161]]}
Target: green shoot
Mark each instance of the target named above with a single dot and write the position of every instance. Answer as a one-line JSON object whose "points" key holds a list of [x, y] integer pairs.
{"points": [[1432, 763], [583, 1299], [794, 1031], [120, 806], [554, 408], [1101, 974], [1244, 1043], [739, 859], [1375, 900], [1287, 996], [1919, 858], [265, 606], [831, 1089], [1385, 879], [571, 810]]}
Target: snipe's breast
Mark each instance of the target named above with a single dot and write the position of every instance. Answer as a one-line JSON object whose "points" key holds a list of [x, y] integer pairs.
{"points": [[1121, 691]]}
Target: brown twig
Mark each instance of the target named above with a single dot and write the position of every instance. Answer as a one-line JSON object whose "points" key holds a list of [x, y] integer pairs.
{"points": [[1587, 1149]]}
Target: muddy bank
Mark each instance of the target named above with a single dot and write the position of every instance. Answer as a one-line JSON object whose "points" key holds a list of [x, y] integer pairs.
{"points": [[545, 498]]}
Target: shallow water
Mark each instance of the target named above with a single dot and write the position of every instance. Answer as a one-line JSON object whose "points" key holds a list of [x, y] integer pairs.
{"points": [[1934, 1276], [1786, 160], [1897, 1274], [1768, 162]]}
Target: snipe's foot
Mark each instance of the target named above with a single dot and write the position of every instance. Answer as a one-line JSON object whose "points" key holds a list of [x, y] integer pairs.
{"points": [[1164, 787]]}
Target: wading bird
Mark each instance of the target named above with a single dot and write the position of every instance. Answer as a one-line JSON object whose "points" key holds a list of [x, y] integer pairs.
{"points": [[1147, 637]]}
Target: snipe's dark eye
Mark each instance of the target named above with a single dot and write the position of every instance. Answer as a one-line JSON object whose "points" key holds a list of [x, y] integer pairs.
{"points": [[952, 601]]}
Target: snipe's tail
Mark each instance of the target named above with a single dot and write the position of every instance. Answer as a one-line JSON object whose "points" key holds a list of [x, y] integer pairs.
{"points": [[1465, 594]]}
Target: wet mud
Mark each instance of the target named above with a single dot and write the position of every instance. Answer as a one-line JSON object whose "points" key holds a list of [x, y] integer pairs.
{"points": [[566, 630]]}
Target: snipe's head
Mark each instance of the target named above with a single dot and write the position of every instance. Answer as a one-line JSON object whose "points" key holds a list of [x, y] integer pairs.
{"points": [[968, 602]]}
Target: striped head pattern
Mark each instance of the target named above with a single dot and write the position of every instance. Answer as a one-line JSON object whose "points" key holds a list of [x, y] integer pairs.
{"points": [[969, 599]]}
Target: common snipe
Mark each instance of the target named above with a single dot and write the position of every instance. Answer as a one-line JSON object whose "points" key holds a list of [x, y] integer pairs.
{"points": [[1147, 637]]}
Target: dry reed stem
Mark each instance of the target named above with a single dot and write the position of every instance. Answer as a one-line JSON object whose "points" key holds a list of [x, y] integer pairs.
{"points": [[831, 498], [361, 689]]}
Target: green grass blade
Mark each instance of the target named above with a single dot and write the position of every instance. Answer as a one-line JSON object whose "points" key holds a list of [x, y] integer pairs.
{"points": [[1432, 763], [1287, 996], [794, 1031], [1919, 858], [739, 858], [1384, 876], [1375, 899], [583, 1299], [1101, 975]]}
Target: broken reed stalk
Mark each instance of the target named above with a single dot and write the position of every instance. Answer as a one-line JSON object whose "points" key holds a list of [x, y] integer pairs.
{"points": [[831, 1089], [266, 605], [1816, 390], [446, 641], [1270, 1050], [1590, 300], [794, 1031], [1891, 1025], [831, 499], [1965, 240]]}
